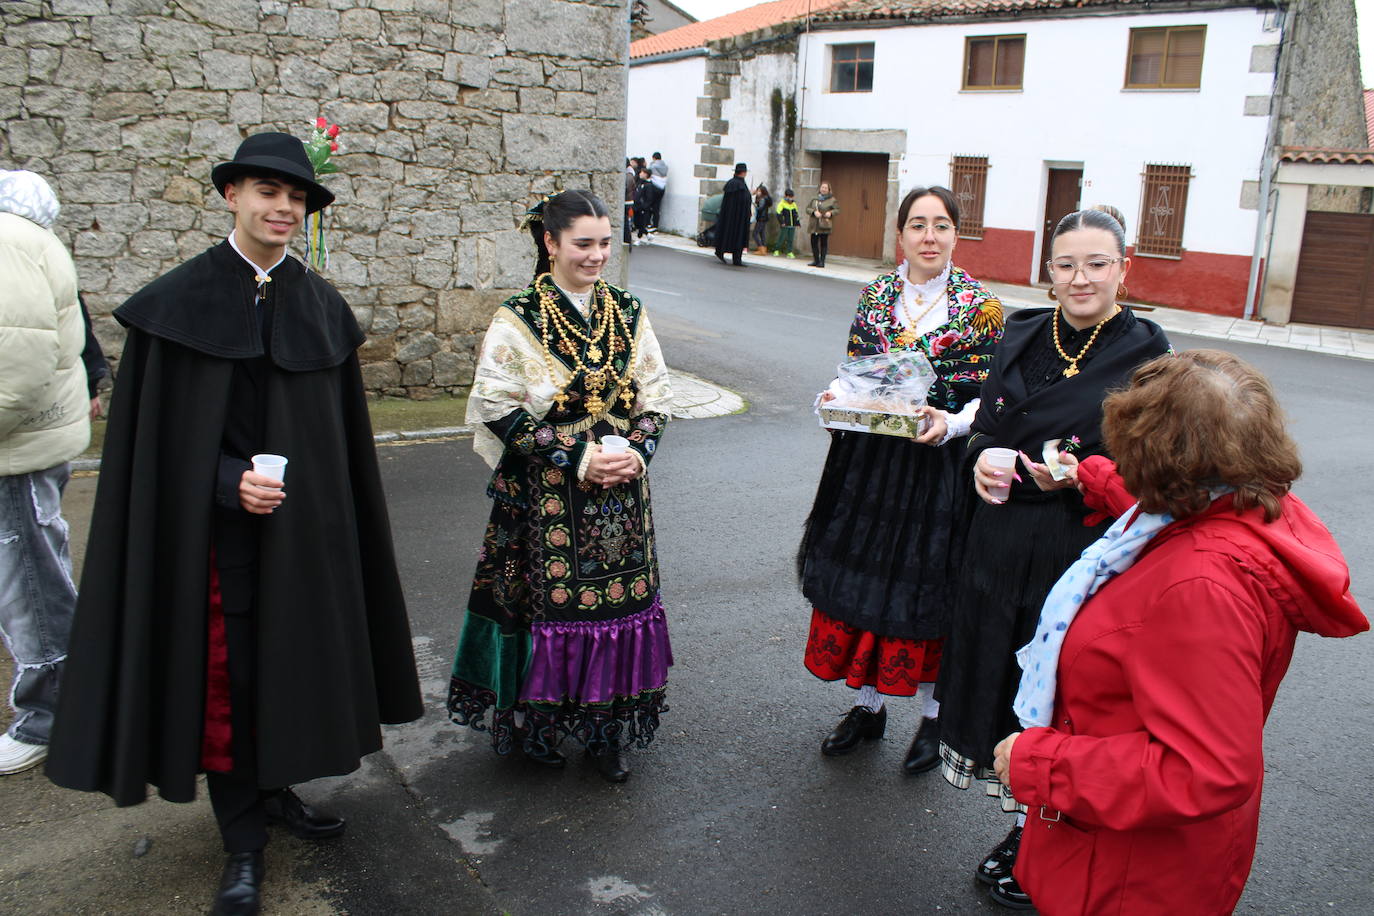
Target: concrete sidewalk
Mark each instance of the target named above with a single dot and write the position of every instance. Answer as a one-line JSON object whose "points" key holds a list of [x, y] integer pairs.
{"points": [[1356, 344]]}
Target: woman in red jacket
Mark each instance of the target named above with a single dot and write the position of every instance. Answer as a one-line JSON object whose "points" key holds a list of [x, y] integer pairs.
{"points": [[1158, 654]]}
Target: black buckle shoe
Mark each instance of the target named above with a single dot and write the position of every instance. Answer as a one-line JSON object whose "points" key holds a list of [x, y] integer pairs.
{"points": [[304, 822], [859, 724], [999, 862], [1008, 893], [610, 762], [548, 757], [924, 753], [240, 885]]}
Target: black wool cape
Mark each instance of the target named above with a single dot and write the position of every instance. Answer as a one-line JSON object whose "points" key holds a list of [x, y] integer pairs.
{"points": [[732, 226], [334, 653]]}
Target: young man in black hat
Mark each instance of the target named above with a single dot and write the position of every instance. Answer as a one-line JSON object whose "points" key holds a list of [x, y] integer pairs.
{"points": [[223, 627]]}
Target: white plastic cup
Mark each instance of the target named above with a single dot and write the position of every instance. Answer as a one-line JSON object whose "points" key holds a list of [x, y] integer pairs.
{"points": [[1003, 459], [614, 444], [273, 466]]}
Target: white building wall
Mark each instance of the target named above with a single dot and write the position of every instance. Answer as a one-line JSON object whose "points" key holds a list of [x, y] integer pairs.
{"points": [[1072, 109], [749, 111], [661, 116]]}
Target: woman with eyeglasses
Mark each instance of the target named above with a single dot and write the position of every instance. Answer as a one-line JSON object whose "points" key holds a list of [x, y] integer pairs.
{"points": [[879, 554], [1047, 383]]}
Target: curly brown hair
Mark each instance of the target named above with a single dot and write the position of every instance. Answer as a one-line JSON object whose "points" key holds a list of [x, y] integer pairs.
{"points": [[1198, 420]]}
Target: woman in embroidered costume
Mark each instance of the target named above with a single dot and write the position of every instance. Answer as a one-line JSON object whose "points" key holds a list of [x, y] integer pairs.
{"points": [[1052, 371], [877, 558], [564, 633]]}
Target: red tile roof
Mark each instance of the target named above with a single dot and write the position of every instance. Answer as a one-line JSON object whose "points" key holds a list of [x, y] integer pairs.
{"points": [[1369, 116], [739, 22], [1324, 156], [920, 10]]}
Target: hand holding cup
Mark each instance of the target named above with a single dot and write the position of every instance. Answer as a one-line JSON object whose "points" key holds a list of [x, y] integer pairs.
{"points": [[260, 490], [993, 474]]}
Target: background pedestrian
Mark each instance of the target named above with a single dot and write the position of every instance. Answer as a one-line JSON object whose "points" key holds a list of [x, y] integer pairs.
{"points": [[763, 207], [788, 221], [821, 212], [732, 226], [44, 423]]}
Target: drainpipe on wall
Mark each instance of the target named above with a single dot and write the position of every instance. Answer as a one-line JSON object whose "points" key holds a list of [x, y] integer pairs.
{"points": [[806, 49], [1263, 238]]}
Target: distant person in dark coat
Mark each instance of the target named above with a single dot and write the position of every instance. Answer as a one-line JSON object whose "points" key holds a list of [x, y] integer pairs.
{"points": [[732, 228]]}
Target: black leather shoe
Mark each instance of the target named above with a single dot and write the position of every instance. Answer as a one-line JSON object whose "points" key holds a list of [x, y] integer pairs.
{"points": [[859, 724], [1008, 893], [240, 885], [611, 763], [285, 807], [720, 256], [924, 753], [998, 863], [549, 758]]}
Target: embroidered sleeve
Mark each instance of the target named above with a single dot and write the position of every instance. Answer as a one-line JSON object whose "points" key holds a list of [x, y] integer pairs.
{"points": [[531, 438], [511, 374]]}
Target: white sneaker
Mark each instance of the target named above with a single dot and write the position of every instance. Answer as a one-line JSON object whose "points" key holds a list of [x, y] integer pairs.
{"points": [[17, 756]]}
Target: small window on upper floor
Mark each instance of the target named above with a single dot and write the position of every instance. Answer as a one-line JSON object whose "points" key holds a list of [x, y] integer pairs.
{"points": [[851, 68], [994, 61], [1168, 58]]}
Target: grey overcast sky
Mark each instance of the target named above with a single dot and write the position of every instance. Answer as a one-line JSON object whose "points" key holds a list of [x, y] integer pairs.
{"points": [[707, 9]]}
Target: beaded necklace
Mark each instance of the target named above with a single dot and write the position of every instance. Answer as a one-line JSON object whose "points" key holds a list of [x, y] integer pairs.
{"points": [[1072, 369], [600, 345], [908, 336]]}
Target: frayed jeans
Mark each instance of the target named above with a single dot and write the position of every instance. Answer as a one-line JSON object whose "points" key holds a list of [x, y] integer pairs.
{"points": [[37, 595]]}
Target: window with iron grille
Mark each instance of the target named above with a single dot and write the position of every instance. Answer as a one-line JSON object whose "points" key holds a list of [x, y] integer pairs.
{"points": [[1163, 205], [851, 68], [968, 179], [1166, 58], [994, 61]]}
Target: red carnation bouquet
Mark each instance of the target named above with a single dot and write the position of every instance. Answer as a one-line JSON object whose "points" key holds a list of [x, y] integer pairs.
{"points": [[320, 147]]}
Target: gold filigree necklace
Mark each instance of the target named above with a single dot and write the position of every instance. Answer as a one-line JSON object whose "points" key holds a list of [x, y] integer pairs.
{"points": [[600, 344], [1072, 369]]}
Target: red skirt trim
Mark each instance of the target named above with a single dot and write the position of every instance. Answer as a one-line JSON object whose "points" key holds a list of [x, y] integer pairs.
{"points": [[894, 665], [216, 754]]}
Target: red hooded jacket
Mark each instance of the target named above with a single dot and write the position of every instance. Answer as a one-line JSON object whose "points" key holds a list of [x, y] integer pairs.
{"points": [[1144, 794]]}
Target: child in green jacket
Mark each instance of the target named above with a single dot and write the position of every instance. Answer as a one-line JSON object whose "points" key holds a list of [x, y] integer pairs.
{"points": [[788, 221]]}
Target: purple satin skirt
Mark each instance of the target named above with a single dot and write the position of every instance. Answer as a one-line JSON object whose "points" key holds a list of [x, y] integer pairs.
{"points": [[596, 662]]}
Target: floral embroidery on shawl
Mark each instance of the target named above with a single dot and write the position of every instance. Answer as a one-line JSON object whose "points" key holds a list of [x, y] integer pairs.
{"points": [[960, 350]]}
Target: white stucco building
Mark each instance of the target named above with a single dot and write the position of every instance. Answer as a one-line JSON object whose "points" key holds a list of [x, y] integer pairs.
{"points": [[1171, 112]]}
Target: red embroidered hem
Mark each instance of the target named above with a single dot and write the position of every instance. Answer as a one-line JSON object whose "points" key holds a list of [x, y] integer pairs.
{"points": [[894, 665]]}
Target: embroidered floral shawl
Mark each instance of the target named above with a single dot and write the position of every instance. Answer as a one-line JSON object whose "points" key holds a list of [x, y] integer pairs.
{"points": [[960, 350]]}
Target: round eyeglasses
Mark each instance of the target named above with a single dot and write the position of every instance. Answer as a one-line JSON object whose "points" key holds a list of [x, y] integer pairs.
{"points": [[1062, 271]]}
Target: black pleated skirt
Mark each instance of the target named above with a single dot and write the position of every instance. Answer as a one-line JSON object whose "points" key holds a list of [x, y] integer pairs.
{"points": [[879, 550], [1015, 553]]}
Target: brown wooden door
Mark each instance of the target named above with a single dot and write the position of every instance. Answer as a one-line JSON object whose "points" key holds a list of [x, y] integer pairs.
{"points": [[859, 183], [1335, 282], [1061, 199]]}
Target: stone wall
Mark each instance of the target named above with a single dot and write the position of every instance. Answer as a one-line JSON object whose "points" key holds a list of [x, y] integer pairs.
{"points": [[1322, 104], [455, 116]]}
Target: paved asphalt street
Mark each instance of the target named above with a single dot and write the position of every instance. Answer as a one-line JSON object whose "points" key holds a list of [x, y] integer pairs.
{"points": [[733, 810]]}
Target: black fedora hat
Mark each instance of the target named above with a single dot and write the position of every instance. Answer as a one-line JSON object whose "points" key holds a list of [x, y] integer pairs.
{"points": [[276, 154]]}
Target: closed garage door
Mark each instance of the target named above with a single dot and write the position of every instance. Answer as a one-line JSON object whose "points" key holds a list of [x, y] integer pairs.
{"points": [[1335, 284]]}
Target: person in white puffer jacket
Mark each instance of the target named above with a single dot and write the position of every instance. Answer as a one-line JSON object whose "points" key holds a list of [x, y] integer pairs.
{"points": [[44, 423]]}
